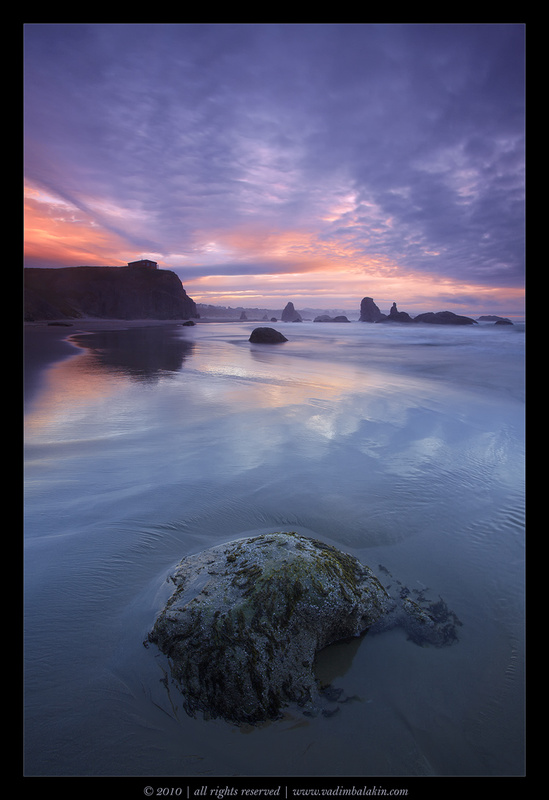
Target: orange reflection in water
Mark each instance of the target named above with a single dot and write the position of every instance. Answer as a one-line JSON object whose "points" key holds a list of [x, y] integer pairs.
{"points": [[68, 389], [99, 382]]}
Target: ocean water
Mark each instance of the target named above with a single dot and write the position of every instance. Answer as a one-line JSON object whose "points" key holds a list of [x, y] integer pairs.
{"points": [[403, 445]]}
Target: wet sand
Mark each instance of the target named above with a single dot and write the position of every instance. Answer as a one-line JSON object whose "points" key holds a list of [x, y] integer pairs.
{"points": [[48, 341], [401, 446], [45, 343]]}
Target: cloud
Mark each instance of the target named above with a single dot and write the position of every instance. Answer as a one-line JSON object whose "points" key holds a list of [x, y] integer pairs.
{"points": [[224, 148]]}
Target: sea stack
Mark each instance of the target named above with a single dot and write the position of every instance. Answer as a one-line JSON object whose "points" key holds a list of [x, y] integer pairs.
{"points": [[444, 318], [369, 312], [397, 316], [290, 314]]}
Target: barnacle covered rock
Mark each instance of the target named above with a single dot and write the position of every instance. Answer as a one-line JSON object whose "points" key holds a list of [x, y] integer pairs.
{"points": [[246, 619]]}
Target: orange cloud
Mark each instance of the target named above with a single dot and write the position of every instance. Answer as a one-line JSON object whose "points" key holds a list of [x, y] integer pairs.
{"points": [[277, 265], [283, 252], [345, 289], [304, 267], [57, 233]]}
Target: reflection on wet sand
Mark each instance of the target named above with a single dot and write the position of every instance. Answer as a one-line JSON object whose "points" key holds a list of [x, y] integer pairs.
{"points": [[140, 353], [104, 364], [130, 466]]}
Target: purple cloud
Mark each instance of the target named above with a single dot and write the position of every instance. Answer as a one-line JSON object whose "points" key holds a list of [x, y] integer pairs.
{"points": [[161, 133]]}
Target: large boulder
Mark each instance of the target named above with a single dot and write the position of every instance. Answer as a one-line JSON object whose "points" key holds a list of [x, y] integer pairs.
{"points": [[246, 619], [369, 312], [266, 336]]}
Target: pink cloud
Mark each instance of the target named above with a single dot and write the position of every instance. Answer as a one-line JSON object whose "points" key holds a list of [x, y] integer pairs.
{"points": [[266, 267]]}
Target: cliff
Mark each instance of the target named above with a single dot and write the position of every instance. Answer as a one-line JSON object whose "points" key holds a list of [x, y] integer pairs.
{"points": [[106, 293]]}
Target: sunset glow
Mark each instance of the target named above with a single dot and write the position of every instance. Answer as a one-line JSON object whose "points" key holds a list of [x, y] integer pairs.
{"points": [[267, 163]]}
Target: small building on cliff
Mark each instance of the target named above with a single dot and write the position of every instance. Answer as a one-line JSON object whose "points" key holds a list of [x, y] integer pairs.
{"points": [[143, 264]]}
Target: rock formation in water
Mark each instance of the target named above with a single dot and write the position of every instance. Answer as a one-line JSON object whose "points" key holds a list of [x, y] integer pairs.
{"points": [[444, 318], [328, 318], [397, 316], [495, 319], [246, 619], [106, 293], [290, 314], [266, 336], [369, 312]]}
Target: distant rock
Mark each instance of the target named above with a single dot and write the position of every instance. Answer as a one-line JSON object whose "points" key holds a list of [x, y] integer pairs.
{"points": [[503, 322], [266, 336], [397, 316], [243, 316], [444, 318], [290, 314], [369, 312], [246, 619], [105, 293], [494, 318], [327, 318]]}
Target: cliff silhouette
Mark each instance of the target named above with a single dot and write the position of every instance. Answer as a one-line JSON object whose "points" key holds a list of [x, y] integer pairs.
{"points": [[105, 293]]}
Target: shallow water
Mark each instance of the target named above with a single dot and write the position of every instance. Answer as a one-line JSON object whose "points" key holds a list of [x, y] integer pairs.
{"points": [[403, 445]]}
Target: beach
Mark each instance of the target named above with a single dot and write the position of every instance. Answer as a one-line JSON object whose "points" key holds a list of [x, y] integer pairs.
{"points": [[44, 343], [148, 442]]}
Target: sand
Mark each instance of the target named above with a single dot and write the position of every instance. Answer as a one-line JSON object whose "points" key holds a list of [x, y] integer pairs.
{"points": [[403, 447], [46, 342]]}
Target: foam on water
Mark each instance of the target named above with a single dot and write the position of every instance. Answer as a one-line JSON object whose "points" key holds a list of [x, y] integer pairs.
{"points": [[403, 445]]}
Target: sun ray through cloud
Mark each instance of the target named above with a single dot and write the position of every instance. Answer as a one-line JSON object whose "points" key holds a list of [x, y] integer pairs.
{"points": [[361, 158]]}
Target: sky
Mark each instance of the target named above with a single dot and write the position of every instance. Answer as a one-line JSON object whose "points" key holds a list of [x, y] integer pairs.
{"points": [[267, 163]]}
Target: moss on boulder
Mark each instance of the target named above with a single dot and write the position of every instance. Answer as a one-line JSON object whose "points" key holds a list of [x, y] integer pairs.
{"points": [[246, 619]]}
